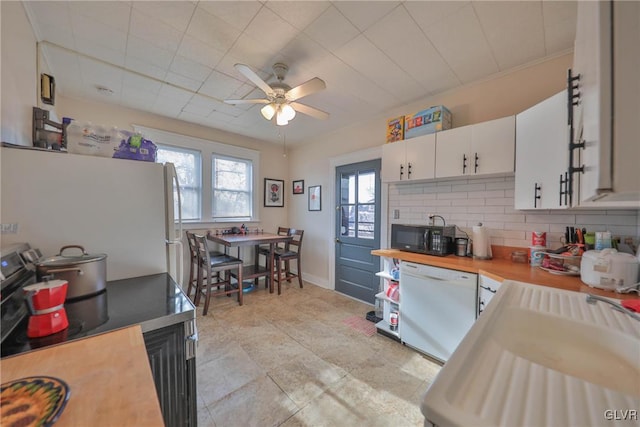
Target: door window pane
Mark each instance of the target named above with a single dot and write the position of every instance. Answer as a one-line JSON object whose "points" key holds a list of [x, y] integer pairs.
{"points": [[357, 198], [188, 168]]}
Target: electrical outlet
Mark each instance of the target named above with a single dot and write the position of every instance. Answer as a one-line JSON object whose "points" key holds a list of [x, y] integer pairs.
{"points": [[396, 214]]}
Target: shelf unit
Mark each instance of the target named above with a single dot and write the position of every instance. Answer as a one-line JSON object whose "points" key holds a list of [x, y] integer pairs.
{"points": [[388, 304]]}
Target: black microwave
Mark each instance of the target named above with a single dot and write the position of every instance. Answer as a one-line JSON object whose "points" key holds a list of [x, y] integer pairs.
{"points": [[423, 239]]}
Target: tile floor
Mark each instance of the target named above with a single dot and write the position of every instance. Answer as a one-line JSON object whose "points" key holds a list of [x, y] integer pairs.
{"points": [[289, 360]]}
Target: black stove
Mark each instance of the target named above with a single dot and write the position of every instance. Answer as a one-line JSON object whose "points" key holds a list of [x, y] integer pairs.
{"points": [[152, 301]]}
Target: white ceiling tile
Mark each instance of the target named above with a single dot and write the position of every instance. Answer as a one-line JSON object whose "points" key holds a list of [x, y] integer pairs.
{"points": [[166, 107], [175, 94], [514, 30], [360, 54], [103, 53], [364, 17], [202, 102], [183, 82], [189, 68], [195, 50], [212, 30], [93, 31], [332, 30], [460, 40], [96, 73], [145, 51], [252, 53], [60, 35], [220, 86], [236, 13], [412, 51], [304, 52], [134, 81], [177, 14], [226, 66], [48, 12], [144, 67], [298, 13], [153, 31], [270, 31], [113, 13], [559, 25], [138, 103], [426, 13]]}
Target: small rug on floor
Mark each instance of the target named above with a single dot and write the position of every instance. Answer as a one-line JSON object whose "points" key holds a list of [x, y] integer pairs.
{"points": [[361, 324]]}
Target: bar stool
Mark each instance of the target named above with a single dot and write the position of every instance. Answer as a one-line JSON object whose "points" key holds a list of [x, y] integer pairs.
{"points": [[264, 249], [291, 252], [211, 267]]}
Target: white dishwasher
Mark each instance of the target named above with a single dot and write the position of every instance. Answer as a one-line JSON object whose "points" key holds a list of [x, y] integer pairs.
{"points": [[437, 308]]}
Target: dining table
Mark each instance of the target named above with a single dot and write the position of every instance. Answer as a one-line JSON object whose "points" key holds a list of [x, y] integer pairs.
{"points": [[253, 271]]}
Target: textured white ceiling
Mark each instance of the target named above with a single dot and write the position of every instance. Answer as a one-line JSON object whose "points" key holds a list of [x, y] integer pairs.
{"points": [[176, 58]]}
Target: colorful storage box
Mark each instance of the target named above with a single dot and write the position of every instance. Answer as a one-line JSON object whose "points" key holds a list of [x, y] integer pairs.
{"points": [[395, 129], [434, 119]]}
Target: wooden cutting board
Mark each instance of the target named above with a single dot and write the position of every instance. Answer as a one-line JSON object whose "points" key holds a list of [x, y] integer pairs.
{"points": [[108, 375]]}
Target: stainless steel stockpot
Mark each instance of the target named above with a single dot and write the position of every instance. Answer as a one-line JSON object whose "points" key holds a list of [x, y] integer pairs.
{"points": [[86, 273]]}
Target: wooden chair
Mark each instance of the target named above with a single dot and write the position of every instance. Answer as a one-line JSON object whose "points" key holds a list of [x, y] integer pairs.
{"points": [[264, 249], [291, 252], [193, 266], [209, 269]]}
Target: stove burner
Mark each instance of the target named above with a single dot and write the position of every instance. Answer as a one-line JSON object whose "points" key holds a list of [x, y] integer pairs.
{"points": [[75, 330]]}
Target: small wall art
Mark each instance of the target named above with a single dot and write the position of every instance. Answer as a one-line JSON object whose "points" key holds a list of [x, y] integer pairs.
{"points": [[298, 187], [273, 193], [315, 198]]}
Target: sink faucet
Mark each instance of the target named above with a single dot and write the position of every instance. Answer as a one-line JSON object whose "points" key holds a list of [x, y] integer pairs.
{"points": [[592, 299]]}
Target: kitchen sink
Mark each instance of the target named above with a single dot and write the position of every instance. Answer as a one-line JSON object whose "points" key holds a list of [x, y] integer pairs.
{"points": [[599, 355], [539, 356]]}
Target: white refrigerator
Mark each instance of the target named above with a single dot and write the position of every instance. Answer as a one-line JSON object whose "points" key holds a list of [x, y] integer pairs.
{"points": [[129, 210]]}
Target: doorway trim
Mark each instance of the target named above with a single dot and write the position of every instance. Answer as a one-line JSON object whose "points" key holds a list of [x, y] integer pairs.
{"points": [[346, 159]]}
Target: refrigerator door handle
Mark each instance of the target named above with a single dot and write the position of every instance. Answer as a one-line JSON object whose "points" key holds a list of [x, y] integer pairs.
{"points": [[179, 249], [177, 184]]}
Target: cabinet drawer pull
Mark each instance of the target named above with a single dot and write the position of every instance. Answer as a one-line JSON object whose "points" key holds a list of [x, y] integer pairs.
{"points": [[493, 291]]}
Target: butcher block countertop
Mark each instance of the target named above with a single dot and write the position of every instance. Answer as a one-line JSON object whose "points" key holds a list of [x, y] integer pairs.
{"points": [[108, 375], [501, 269]]}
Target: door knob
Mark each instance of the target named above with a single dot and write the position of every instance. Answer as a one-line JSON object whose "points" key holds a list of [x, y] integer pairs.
{"points": [[338, 240]]}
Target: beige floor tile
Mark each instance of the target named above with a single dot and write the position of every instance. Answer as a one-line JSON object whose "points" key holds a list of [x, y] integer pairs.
{"points": [[258, 403]]}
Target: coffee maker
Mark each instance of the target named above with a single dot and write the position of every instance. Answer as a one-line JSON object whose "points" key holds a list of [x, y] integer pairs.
{"points": [[46, 306]]}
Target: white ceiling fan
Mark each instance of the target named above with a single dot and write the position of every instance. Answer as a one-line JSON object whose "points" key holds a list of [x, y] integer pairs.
{"points": [[281, 98]]}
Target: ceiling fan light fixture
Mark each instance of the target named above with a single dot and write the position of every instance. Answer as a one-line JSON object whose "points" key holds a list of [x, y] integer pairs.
{"points": [[281, 120], [288, 112], [268, 111]]}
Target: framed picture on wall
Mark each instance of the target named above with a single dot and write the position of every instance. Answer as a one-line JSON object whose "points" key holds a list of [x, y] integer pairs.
{"points": [[298, 187], [273, 193], [315, 196]]}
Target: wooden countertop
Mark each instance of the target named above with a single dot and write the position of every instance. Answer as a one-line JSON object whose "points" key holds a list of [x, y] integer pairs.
{"points": [[502, 269], [108, 375]]}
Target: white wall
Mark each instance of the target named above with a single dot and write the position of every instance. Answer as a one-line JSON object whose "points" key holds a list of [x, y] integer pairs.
{"points": [[500, 96], [465, 202], [19, 75]]}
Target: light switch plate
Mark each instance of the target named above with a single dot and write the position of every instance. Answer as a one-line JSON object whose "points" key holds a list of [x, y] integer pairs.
{"points": [[396, 214]]}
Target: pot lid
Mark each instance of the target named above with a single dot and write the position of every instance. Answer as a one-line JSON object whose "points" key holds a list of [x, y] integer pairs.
{"points": [[69, 258]]}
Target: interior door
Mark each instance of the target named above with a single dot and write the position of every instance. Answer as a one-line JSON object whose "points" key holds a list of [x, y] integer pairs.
{"points": [[357, 231]]}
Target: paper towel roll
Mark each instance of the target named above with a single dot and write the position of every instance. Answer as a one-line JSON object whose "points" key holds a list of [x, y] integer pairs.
{"points": [[481, 242]]}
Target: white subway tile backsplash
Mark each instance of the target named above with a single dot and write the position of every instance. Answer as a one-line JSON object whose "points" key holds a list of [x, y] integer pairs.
{"points": [[467, 201]]}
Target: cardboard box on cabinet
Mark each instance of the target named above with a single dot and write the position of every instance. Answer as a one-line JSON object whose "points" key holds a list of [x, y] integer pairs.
{"points": [[395, 129], [433, 119]]}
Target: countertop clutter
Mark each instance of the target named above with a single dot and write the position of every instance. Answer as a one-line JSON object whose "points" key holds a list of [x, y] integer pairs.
{"points": [[109, 378], [501, 268]]}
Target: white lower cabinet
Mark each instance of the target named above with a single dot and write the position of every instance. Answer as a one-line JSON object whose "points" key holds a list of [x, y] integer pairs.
{"points": [[487, 288]]}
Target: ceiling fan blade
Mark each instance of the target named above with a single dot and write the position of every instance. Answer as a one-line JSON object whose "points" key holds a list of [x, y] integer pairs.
{"points": [[247, 101], [307, 88], [309, 111], [251, 75]]}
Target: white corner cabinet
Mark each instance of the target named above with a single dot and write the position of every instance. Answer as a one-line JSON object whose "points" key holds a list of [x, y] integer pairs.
{"points": [[542, 155], [481, 149], [388, 305], [487, 288], [606, 116], [409, 160]]}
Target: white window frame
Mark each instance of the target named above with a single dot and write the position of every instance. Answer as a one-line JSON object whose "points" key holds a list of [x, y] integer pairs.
{"points": [[207, 149]]}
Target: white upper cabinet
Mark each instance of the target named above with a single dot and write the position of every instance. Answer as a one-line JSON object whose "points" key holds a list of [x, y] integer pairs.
{"points": [[607, 117], [481, 149], [542, 157], [409, 160]]}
